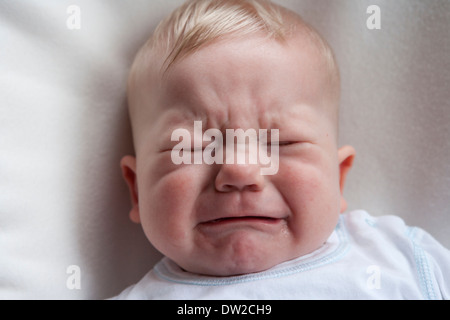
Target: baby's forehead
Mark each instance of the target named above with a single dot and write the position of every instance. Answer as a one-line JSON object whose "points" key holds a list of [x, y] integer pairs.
{"points": [[254, 75]]}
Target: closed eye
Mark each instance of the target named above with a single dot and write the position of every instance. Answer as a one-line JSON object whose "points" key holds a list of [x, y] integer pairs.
{"points": [[284, 143], [195, 149], [183, 149]]}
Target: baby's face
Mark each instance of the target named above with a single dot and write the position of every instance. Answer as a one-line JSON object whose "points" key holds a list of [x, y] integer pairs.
{"points": [[228, 219]]}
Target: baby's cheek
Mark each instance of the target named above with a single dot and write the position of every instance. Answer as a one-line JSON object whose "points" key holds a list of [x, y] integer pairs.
{"points": [[184, 181], [170, 207], [172, 197], [307, 189]]}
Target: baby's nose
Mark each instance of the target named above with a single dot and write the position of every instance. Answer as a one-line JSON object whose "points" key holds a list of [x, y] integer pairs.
{"points": [[239, 177]]}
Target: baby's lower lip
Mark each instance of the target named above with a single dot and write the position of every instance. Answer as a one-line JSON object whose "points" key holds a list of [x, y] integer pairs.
{"points": [[223, 227]]}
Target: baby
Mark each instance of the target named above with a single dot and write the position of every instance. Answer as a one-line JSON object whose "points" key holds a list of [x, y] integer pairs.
{"points": [[228, 231]]}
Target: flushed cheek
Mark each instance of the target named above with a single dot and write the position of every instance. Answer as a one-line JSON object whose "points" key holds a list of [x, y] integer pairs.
{"points": [[167, 214], [312, 198]]}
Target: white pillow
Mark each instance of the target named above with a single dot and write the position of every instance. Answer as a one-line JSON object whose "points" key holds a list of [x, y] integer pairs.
{"points": [[64, 227], [63, 130]]}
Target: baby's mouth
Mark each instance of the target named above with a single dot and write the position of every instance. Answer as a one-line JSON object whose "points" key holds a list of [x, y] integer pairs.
{"points": [[244, 219], [218, 227]]}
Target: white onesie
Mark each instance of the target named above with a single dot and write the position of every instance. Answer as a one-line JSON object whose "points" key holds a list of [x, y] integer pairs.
{"points": [[365, 257]]}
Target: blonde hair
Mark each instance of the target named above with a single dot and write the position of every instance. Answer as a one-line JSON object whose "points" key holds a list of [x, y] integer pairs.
{"points": [[197, 23]]}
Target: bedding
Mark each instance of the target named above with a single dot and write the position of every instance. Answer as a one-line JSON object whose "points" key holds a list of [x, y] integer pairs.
{"points": [[64, 227]]}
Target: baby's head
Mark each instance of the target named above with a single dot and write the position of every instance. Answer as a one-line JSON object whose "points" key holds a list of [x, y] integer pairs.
{"points": [[235, 65]]}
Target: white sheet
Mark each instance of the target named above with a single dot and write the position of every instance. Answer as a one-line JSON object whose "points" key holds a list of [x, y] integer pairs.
{"points": [[64, 128]]}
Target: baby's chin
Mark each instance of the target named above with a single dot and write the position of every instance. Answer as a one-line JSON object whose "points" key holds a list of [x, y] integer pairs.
{"points": [[245, 260], [227, 269], [238, 268]]}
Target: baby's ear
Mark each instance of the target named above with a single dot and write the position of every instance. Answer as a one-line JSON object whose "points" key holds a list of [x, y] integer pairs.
{"points": [[128, 165], [346, 155]]}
